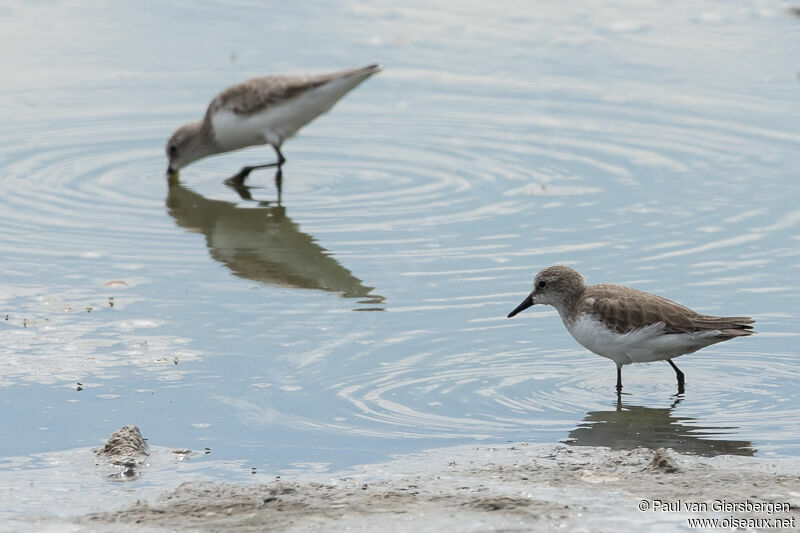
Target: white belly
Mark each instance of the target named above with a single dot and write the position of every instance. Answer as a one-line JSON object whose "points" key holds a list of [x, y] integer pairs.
{"points": [[233, 131], [639, 346]]}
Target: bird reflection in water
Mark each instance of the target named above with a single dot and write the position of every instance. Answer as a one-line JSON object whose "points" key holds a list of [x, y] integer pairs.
{"points": [[263, 244], [632, 426]]}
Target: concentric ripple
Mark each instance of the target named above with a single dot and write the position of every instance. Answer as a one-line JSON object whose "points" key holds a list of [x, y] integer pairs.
{"points": [[85, 188], [542, 395]]}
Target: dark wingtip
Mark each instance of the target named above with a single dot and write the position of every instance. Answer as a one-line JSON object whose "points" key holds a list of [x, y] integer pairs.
{"points": [[360, 72], [743, 323]]}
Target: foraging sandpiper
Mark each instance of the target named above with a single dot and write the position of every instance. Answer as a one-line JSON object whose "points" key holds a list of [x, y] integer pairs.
{"points": [[265, 110]]}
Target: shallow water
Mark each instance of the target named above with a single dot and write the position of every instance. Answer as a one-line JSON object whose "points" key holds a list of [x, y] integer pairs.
{"points": [[649, 144]]}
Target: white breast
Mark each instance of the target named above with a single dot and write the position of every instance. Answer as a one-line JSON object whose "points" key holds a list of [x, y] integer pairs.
{"points": [[638, 346]]}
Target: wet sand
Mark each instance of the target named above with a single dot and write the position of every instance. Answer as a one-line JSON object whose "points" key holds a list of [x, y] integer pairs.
{"points": [[513, 487]]}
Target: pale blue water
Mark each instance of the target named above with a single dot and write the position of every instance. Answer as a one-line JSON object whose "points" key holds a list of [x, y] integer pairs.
{"points": [[649, 144]]}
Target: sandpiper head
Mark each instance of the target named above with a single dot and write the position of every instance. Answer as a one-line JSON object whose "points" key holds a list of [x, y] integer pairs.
{"points": [[185, 147], [556, 286]]}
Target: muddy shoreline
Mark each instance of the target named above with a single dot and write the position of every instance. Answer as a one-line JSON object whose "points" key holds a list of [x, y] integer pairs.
{"points": [[511, 488]]}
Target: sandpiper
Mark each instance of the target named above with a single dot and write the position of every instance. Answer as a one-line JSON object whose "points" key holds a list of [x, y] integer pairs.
{"points": [[628, 325], [265, 110]]}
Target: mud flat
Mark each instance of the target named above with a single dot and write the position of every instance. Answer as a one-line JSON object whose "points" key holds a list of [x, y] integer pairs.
{"points": [[509, 487]]}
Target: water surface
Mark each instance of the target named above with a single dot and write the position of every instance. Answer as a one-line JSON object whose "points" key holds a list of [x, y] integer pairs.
{"points": [[649, 144]]}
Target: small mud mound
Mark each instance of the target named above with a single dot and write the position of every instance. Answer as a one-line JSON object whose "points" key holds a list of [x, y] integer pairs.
{"points": [[126, 448], [662, 462]]}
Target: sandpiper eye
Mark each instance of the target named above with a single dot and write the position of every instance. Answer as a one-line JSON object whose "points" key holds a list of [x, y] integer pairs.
{"points": [[542, 284], [173, 149]]}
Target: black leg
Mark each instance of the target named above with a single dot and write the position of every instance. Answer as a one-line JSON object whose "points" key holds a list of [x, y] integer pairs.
{"points": [[279, 183], [239, 177], [281, 159], [679, 375], [619, 379]]}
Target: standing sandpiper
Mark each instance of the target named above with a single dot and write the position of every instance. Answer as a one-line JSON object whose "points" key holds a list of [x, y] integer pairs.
{"points": [[628, 325], [266, 110]]}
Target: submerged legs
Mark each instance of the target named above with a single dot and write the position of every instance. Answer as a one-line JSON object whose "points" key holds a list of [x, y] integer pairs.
{"points": [[279, 182], [239, 177]]}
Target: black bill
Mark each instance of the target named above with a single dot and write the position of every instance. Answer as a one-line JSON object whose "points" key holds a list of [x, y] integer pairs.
{"points": [[526, 303]]}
